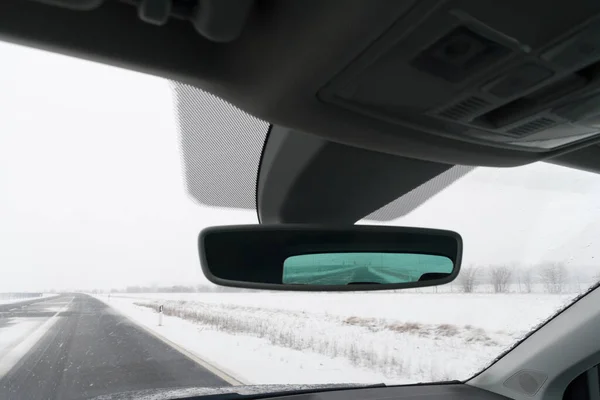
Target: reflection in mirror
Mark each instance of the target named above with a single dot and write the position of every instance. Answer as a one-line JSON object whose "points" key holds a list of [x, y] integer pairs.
{"points": [[364, 268]]}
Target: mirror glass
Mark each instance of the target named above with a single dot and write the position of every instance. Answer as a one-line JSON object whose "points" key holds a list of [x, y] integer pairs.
{"points": [[364, 268]]}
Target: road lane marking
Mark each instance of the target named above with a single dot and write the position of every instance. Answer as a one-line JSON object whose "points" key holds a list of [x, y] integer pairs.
{"points": [[211, 368], [208, 366], [11, 358]]}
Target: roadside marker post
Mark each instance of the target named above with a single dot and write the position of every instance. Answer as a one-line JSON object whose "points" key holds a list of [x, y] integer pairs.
{"points": [[160, 315]]}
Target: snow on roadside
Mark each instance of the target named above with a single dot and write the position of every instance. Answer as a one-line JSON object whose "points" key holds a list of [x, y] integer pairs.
{"points": [[18, 334], [493, 312], [249, 359], [265, 344], [14, 331], [23, 299]]}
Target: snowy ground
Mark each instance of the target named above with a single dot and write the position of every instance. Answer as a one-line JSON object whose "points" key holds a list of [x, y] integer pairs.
{"points": [[19, 334], [6, 298], [269, 337]]}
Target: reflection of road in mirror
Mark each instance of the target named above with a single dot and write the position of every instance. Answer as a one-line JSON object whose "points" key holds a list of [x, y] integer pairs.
{"points": [[364, 268]]}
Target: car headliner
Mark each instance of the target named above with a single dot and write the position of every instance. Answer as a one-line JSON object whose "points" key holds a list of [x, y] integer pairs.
{"points": [[273, 71]]}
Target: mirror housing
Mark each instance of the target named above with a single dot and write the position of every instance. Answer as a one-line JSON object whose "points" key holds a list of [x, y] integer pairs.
{"points": [[348, 258]]}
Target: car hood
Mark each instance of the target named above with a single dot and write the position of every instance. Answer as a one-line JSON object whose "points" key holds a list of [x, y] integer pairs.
{"points": [[178, 393]]}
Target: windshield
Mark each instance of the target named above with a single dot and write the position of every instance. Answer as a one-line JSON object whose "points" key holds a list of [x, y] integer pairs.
{"points": [[107, 176]]}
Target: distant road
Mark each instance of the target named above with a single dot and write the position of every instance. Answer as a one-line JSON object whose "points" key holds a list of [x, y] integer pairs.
{"points": [[88, 350], [348, 274]]}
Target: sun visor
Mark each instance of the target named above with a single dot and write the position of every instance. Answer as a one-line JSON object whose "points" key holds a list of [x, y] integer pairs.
{"points": [[479, 74]]}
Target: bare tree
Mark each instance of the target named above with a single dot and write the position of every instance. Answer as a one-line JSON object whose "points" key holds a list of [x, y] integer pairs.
{"points": [[527, 279], [467, 279], [500, 277], [553, 276]]}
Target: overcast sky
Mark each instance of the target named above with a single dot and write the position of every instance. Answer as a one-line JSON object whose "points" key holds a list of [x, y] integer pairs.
{"points": [[92, 193]]}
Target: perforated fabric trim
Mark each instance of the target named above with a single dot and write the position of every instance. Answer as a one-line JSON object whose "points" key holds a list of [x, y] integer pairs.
{"points": [[221, 148], [403, 205]]}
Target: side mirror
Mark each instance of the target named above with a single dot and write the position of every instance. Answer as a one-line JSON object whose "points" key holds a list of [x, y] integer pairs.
{"points": [[312, 258]]}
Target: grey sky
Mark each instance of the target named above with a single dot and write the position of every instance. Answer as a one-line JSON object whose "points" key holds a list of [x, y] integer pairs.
{"points": [[92, 189], [93, 195]]}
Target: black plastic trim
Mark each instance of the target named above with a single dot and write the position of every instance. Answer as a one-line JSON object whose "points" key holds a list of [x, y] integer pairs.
{"points": [[428, 245]]}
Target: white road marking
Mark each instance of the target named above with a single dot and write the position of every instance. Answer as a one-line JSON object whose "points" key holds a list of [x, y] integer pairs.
{"points": [[214, 370], [16, 353]]}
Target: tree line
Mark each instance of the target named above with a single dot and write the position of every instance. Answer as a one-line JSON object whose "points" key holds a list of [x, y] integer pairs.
{"points": [[553, 277], [549, 277]]}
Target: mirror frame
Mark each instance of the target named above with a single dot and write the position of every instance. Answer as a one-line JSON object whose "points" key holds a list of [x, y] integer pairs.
{"points": [[427, 241]]}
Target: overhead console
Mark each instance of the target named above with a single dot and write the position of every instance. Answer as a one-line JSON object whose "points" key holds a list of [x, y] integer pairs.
{"points": [[514, 75], [469, 82]]}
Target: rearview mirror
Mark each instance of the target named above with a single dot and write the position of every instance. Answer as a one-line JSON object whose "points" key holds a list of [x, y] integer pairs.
{"points": [[299, 257]]}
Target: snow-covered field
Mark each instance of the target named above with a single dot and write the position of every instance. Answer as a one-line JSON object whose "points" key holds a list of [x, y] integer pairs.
{"points": [[270, 337], [8, 298], [19, 334]]}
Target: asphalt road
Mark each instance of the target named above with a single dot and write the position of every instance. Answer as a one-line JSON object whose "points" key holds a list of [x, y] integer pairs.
{"points": [[350, 274], [90, 350]]}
